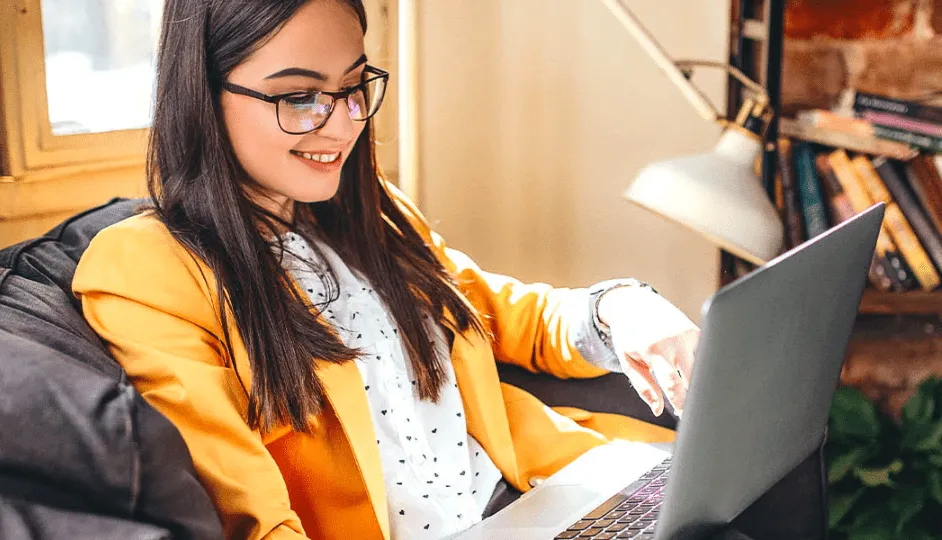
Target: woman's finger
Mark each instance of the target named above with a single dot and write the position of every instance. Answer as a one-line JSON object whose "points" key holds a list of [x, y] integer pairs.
{"points": [[670, 381], [641, 378]]}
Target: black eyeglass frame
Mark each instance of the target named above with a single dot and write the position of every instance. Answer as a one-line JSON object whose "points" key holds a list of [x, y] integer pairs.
{"points": [[373, 72]]}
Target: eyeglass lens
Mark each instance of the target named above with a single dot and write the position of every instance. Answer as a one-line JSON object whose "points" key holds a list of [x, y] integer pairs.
{"points": [[301, 114]]}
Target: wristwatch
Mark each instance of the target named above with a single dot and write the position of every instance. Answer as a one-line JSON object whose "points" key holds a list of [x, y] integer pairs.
{"points": [[595, 295]]}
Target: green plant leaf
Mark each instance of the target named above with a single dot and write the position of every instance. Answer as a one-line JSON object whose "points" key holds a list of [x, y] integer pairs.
{"points": [[852, 416], [840, 504], [875, 529], [934, 483], [923, 437], [921, 406], [936, 460], [915, 533], [879, 476], [906, 503], [839, 466]]}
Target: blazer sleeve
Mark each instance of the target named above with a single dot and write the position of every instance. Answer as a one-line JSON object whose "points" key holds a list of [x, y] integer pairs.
{"points": [[532, 325], [147, 298]]}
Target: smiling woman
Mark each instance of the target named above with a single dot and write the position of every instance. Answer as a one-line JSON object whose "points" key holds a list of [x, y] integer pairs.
{"points": [[330, 363]]}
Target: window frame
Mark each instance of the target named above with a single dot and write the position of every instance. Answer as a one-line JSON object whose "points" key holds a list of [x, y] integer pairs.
{"points": [[29, 141]]}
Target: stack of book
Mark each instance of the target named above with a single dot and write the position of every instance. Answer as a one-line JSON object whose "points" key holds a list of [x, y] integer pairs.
{"points": [[836, 163]]}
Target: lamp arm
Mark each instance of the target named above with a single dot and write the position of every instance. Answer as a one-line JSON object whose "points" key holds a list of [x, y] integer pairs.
{"points": [[760, 92], [679, 72]]}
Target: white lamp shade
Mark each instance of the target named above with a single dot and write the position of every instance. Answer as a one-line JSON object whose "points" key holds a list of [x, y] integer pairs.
{"points": [[718, 194]]}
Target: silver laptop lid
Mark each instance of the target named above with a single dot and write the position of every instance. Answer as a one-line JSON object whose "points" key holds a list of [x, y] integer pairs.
{"points": [[768, 362]]}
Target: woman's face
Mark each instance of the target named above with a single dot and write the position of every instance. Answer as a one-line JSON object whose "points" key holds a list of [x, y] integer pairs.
{"points": [[320, 48]]}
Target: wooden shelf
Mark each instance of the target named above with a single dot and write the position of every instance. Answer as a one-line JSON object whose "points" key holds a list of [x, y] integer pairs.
{"points": [[901, 303]]}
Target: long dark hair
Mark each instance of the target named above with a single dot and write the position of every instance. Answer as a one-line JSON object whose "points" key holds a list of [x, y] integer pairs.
{"points": [[199, 192]]}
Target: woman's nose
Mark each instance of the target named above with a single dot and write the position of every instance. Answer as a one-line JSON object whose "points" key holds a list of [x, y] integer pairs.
{"points": [[339, 125]]}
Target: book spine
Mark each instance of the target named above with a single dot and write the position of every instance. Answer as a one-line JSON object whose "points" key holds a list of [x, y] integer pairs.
{"points": [[827, 120], [841, 207], [881, 274], [864, 101], [844, 171], [871, 180], [925, 142], [916, 257], [927, 188], [898, 271], [809, 190], [899, 228], [890, 120], [861, 200], [840, 139], [907, 203], [794, 229]]}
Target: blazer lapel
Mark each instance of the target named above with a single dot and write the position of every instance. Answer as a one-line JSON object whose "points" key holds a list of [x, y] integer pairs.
{"points": [[479, 384], [344, 389]]}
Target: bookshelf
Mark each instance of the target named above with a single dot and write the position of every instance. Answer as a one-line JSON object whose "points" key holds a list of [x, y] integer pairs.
{"points": [[757, 42], [901, 303], [897, 339]]}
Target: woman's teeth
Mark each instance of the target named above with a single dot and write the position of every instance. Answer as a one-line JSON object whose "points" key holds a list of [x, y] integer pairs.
{"points": [[320, 158]]}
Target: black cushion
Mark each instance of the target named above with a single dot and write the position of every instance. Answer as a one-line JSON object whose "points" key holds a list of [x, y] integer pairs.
{"points": [[76, 439]]}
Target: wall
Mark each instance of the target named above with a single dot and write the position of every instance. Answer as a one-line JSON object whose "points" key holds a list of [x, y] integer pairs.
{"points": [[534, 116], [891, 47]]}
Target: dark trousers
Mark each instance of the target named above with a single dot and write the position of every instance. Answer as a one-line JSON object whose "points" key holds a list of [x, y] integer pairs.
{"points": [[793, 509]]}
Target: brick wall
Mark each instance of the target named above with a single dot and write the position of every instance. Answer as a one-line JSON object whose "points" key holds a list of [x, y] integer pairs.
{"points": [[893, 47]]}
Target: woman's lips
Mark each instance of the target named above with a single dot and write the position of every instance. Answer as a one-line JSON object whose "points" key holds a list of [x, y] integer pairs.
{"points": [[319, 166]]}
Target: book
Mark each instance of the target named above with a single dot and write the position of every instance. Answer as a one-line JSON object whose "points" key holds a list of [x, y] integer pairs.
{"points": [[865, 101], [925, 142], [832, 121], [899, 228], [881, 274], [841, 207], [861, 200], [905, 123], [809, 190], [792, 216], [927, 186], [924, 230], [841, 139]]}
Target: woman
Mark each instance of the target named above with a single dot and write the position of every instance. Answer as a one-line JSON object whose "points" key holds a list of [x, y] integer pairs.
{"points": [[329, 362]]}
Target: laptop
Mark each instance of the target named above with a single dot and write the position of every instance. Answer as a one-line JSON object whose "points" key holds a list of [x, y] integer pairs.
{"points": [[768, 361]]}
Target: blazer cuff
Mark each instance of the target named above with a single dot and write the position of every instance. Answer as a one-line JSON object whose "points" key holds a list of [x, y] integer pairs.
{"points": [[593, 338]]}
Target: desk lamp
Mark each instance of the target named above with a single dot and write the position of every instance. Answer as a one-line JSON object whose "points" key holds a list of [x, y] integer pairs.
{"points": [[717, 193]]}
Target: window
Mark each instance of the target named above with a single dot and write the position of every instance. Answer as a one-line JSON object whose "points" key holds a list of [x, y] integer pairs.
{"points": [[100, 60], [62, 62]]}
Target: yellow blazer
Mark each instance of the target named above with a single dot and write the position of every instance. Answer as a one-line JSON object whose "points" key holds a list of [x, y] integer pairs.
{"points": [[155, 306]]}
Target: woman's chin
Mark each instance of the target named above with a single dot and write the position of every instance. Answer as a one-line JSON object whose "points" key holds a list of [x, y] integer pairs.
{"points": [[320, 190]]}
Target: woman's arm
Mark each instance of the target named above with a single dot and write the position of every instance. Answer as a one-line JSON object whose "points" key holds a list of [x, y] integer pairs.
{"points": [[144, 295]]}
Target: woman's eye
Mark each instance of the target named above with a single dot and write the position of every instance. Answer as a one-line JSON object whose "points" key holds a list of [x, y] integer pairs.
{"points": [[302, 100]]}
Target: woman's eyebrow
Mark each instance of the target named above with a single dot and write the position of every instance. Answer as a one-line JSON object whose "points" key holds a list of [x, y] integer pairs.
{"points": [[317, 75]]}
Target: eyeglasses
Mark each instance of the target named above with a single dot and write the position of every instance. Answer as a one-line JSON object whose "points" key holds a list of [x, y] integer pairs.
{"points": [[303, 112]]}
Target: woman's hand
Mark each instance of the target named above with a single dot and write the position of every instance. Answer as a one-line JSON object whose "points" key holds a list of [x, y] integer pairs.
{"points": [[655, 343]]}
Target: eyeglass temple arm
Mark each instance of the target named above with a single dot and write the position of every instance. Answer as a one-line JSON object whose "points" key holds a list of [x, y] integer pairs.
{"points": [[679, 72], [236, 89]]}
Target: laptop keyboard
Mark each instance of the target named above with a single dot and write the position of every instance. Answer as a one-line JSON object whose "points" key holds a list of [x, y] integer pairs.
{"points": [[630, 513]]}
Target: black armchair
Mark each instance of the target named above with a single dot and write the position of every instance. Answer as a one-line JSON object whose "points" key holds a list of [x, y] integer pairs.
{"points": [[83, 455]]}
